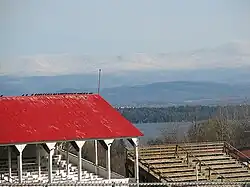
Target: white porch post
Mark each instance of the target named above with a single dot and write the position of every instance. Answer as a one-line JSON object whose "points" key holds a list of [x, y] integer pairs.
{"points": [[39, 163], [135, 143], [109, 162], [50, 166], [108, 165], [67, 158], [136, 162], [80, 144], [96, 156], [20, 148], [197, 172], [51, 149], [20, 167], [9, 162], [38, 160], [80, 164]]}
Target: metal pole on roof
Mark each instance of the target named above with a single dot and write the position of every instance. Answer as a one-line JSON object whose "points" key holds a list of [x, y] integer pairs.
{"points": [[96, 142], [99, 81]]}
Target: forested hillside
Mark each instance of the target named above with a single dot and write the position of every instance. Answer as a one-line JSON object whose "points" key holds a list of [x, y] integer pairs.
{"points": [[184, 113], [210, 123]]}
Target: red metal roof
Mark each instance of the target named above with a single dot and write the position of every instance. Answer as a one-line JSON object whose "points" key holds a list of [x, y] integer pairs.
{"points": [[41, 118]]}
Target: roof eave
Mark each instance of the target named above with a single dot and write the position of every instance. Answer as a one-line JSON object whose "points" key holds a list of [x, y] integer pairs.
{"points": [[71, 140]]}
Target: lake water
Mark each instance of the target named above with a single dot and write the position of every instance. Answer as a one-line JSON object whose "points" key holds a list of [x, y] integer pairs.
{"points": [[154, 130]]}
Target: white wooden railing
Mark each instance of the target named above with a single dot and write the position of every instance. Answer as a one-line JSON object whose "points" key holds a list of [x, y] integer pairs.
{"points": [[89, 166]]}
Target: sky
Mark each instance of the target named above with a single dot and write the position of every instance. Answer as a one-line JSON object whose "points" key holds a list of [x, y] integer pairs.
{"points": [[111, 27]]}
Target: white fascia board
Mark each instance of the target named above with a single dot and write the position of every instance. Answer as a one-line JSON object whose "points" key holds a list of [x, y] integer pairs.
{"points": [[45, 142]]}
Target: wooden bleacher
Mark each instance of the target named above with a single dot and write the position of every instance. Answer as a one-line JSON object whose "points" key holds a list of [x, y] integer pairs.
{"points": [[178, 162]]}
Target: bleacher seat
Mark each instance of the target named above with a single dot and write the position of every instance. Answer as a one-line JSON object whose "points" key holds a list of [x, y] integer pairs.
{"points": [[178, 163], [59, 172]]}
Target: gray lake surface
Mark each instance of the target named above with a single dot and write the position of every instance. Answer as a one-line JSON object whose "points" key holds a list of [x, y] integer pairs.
{"points": [[157, 130]]}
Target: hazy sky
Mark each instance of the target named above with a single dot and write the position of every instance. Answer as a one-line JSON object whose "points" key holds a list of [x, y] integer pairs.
{"points": [[31, 27]]}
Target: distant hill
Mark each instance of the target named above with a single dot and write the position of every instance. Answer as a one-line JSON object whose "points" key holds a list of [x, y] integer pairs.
{"points": [[174, 93], [153, 94], [180, 92], [16, 85], [159, 93]]}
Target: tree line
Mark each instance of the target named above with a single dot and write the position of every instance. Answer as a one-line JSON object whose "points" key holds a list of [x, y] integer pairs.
{"points": [[228, 123], [183, 113]]}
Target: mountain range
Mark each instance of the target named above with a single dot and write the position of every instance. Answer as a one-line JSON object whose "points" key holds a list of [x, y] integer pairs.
{"points": [[204, 76], [176, 93], [159, 93]]}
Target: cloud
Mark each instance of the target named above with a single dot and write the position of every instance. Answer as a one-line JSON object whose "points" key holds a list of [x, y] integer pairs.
{"points": [[234, 54]]}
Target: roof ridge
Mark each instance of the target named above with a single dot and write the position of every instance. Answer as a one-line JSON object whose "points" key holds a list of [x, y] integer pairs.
{"points": [[49, 94], [62, 93]]}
